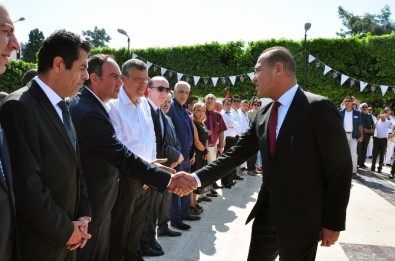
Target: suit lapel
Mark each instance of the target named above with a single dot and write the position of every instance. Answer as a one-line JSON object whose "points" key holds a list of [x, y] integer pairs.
{"points": [[292, 112], [3, 159], [48, 108]]}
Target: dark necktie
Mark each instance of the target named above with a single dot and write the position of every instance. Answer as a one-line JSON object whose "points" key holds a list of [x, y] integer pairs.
{"points": [[68, 124], [1, 171], [160, 122], [272, 126]]}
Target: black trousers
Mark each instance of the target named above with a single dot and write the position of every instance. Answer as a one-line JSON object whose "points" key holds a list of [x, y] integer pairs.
{"points": [[264, 243], [229, 143], [128, 219], [379, 148], [362, 149], [251, 162]]}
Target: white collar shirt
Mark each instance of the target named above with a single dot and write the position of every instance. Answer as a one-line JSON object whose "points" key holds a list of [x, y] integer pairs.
{"points": [[231, 124], [106, 106], [133, 125], [53, 97], [236, 117], [381, 130], [285, 100], [244, 124]]}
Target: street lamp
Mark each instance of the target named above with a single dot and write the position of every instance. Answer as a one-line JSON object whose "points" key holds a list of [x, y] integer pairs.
{"points": [[121, 31], [20, 19], [307, 27]]}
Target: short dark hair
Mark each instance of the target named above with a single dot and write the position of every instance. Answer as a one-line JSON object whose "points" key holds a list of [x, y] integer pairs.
{"points": [[133, 63], [191, 99], [28, 76], [95, 65], [225, 100], [64, 44], [280, 54]]}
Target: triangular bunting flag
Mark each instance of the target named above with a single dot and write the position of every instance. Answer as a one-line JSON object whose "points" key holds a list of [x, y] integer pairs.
{"points": [[344, 78], [362, 86], [251, 75], [179, 76], [215, 80], [327, 69], [162, 70], [311, 58], [384, 89], [149, 64], [196, 79], [232, 79], [134, 56]]}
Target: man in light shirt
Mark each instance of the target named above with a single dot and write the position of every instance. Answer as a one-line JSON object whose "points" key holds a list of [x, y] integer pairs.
{"points": [[380, 140]]}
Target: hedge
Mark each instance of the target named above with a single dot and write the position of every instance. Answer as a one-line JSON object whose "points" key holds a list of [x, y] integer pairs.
{"points": [[369, 59]]}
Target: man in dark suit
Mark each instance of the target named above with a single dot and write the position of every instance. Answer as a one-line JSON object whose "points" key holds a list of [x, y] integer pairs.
{"points": [[102, 154], [158, 88], [184, 130], [52, 208], [174, 157], [8, 250], [306, 165]]}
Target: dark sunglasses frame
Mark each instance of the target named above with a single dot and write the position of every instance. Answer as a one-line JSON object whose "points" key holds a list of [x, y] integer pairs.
{"points": [[161, 89]]}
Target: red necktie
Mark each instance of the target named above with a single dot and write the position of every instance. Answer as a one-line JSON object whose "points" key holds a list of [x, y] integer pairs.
{"points": [[272, 126]]}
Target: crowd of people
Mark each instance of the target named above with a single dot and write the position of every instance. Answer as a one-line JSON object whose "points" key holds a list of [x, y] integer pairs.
{"points": [[369, 135], [102, 159]]}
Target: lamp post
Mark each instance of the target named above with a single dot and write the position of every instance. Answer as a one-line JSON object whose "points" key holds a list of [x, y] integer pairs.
{"points": [[121, 31], [20, 19], [307, 26]]}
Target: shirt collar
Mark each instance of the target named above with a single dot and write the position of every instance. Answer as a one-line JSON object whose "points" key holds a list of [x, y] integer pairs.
{"points": [[53, 97], [288, 96], [106, 106], [153, 104], [178, 104], [124, 98]]}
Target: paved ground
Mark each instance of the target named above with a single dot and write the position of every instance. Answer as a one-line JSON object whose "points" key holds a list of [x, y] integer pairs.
{"points": [[221, 234]]}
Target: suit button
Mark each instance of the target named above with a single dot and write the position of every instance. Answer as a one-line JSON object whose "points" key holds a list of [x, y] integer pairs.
{"points": [[117, 179]]}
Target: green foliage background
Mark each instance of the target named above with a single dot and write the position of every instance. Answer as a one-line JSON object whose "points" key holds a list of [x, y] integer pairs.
{"points": [[370, 59]]}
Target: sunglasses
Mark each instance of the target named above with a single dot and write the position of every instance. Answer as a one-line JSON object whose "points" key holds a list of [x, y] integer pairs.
{"points": [[161, 89], [364, 107], [236, 101]]}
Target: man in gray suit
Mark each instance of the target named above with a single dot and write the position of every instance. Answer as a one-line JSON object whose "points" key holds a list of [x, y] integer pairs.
{"points": [[8, 43]]}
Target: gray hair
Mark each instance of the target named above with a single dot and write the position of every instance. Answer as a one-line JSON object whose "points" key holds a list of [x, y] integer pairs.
{"points": [[133, 63]]}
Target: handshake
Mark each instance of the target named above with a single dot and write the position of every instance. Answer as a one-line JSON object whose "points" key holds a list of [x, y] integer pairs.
{"points": [[182, 183]]}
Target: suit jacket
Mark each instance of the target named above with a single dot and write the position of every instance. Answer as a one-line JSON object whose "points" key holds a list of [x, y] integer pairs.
{"points": [[183, 127], [8, 247], [307, 181], [100, 147], [158, 131], [356, 122], [49, 190], [171, 145]]}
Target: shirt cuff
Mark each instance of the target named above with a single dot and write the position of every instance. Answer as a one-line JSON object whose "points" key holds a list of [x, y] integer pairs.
{"points": [[199, 184]]}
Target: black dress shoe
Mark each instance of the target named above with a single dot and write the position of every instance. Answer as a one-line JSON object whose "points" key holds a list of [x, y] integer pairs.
{"points": [[232, 183], [215, 185], [181, 226], [155, 245], [372, 169], [378, 170], [228, 186], [362, 166], [169, 233], [391, 176], [211, 195], [192, 218], [237, 177], [149, 251], [213, 191]]}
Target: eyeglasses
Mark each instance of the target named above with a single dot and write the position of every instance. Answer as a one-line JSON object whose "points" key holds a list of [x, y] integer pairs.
{"points": [[364, 107], [161, 89], [236, 101], [347, 101], [255, 105], [138, 79]]}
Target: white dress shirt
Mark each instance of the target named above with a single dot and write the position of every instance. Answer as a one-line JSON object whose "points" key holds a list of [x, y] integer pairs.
{"points": [[237, 118], [231, 124], [381, 130], [285, 100], [244, 124], [53, 97], [133, 125]]}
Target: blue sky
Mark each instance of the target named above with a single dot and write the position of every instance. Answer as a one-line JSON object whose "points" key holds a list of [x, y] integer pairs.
{"points": [[154, 23]]}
